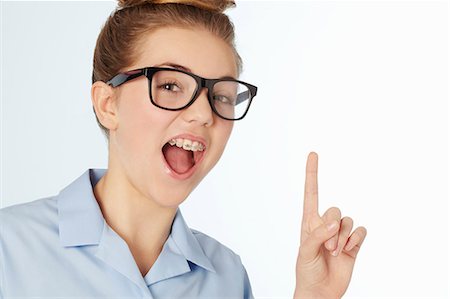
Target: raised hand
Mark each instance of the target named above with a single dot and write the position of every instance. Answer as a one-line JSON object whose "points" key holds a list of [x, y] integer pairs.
{"points": [[328, 249]]}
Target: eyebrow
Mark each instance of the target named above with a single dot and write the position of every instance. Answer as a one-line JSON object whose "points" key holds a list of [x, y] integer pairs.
{"points": [[186, 69]]}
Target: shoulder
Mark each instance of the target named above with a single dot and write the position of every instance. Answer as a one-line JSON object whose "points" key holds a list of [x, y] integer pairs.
{"points": [[217, 251], [226, 261], [27, 229], [29, 217], [29, 209]]}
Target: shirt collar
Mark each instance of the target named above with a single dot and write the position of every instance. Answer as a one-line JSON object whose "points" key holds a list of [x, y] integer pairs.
{"points": [[81, 221], [188, 244], [80, 217]]}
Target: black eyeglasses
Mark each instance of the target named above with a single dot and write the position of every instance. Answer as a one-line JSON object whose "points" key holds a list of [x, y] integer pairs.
{"points": [[173, 89]]}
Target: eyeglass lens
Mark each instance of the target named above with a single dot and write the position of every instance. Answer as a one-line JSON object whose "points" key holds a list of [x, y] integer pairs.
{"points": [[173, 89]]}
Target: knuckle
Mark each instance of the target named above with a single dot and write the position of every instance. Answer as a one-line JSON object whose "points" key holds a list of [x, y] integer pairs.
{"points": [[361, 231], [333, 211], [348, 220], [364, 230], [336, 211], [358, 236], [319, 232], [316, 233]]}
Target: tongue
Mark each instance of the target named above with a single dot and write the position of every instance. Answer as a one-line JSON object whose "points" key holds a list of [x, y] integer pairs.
{"points": [[179, 159]]}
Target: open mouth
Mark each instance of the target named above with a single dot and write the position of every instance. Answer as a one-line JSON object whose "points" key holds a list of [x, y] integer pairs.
{"points": [[182, 155]]}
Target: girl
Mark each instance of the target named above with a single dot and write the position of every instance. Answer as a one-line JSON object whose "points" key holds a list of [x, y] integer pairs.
{"points": [[165, 92]]}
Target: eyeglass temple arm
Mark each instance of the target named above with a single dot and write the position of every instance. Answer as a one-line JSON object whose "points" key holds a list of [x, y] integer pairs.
{"points": [[124, 77], [242, 97]]}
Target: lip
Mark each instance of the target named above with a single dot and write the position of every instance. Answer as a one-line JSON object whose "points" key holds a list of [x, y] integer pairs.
{"points": [[191, 171]]}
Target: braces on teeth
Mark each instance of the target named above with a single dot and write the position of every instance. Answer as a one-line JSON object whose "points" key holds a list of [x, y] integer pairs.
{"points": [[187, 144]]}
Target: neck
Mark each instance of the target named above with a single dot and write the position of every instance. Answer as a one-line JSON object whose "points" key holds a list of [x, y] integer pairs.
{"points": [[141, 222]]}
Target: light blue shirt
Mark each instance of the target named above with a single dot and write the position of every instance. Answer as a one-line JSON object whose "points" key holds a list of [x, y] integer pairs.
{"points": [[61, 247]]}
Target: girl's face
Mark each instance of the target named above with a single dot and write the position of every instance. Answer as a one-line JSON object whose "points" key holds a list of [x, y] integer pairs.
{"points": [[142, 129]]}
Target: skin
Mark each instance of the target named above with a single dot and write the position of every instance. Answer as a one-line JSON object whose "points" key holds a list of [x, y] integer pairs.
{"points": [[139, 199], [328, 249], [136, 195]]}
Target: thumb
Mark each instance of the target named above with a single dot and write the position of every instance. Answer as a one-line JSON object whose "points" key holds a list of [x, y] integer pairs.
{"points": [[311, 247]]}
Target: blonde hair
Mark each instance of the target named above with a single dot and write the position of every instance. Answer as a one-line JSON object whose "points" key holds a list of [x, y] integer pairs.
{"points": [[118, 43]]}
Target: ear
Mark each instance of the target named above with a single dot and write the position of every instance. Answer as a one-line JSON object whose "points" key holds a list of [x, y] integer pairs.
{"points": [[104, 103]]}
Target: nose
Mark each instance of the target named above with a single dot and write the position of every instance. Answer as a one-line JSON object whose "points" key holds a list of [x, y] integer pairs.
{"points": [[200, 111]]}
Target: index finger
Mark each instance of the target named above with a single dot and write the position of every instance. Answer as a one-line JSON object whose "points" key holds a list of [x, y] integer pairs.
{"points": [[310, 203]]}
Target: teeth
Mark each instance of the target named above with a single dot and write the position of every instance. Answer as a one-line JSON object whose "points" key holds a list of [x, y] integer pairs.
{"points": [[180, 142], [187, 144]]}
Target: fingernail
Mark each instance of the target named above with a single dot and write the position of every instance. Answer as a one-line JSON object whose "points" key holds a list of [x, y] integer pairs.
{"points": [[330, 244], [332, 225], [335, 253]]}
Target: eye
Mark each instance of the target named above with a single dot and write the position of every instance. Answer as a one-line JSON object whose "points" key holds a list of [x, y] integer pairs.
{"points": [[170, 86], [224, 99]]}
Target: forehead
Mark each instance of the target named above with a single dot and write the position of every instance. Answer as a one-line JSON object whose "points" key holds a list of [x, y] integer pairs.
{"points": [[196, 49]]}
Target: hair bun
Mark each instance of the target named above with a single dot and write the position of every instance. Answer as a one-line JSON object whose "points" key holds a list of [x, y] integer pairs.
{"points": [[218, 6]]}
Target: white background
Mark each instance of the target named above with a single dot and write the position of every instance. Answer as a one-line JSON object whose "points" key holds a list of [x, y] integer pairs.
{"points": [[364, 84]]}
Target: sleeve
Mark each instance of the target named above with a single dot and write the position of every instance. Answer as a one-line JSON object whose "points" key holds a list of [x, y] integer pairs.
{"points": [[248, 294], [247, 287], [1, 262]]}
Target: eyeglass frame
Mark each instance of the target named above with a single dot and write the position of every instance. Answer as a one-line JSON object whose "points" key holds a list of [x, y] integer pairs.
{"points": [[148, 72]]}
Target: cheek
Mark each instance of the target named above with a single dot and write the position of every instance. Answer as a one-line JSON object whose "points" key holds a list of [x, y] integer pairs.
{"points": [[224, 129], [142, 126]]}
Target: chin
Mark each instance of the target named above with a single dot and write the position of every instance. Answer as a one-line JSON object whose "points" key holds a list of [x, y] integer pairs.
{"points": [[172, 199]]}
